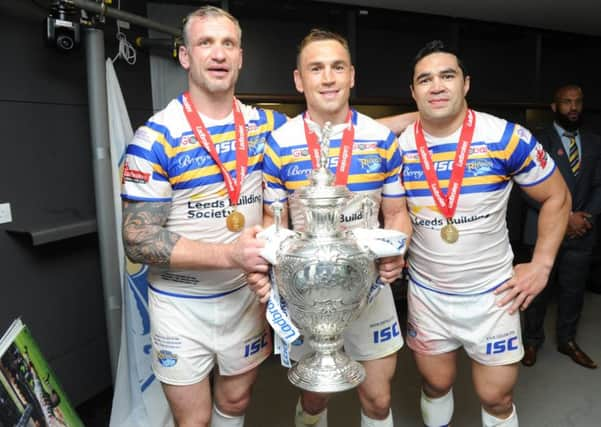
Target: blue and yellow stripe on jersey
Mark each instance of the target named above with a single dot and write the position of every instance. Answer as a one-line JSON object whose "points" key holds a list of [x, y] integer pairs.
{"points": [[491, 164], [375, 159], [178, 159]]}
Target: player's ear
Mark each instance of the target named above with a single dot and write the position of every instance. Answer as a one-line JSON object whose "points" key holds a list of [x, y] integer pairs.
{"points": [[298, 81], [184, 58]]}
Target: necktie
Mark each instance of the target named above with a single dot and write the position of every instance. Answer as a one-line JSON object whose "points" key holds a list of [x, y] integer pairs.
{"points": [[573, 152]]}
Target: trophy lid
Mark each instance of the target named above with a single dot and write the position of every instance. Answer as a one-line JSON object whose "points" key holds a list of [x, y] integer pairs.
{"points": [[320, 192]]}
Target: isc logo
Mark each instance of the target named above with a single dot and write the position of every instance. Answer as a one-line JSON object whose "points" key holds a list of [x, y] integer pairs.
{"points": [[255, 346], [445, 165], [387, 333], [226, 146], [501, 346]]}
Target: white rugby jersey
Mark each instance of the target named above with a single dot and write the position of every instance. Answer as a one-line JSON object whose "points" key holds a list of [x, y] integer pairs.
{"points": [[165, 163], [501, 152], [373, 171]]}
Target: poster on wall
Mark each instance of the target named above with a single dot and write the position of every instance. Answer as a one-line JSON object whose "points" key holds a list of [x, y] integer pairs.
{"points": [[30, 394]]}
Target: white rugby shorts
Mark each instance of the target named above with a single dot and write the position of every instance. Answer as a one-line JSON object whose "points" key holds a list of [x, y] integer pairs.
{"points": [[373, 335], [190, 335], [440, 323]]}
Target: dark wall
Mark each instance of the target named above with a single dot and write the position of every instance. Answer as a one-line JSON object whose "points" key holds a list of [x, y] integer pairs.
{"points": [[47, 176], [271, 32], [385, 44], [514, 68]]}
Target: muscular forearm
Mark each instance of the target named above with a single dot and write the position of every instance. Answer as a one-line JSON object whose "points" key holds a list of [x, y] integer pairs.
{"points": [[552, 223], [191, 255], [147, 241], [400, 223], [149, 244], [154, 245], [396, 216]]}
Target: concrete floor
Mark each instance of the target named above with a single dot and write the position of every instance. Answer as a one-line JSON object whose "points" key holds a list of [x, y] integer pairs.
{"points": [[554, 393]]}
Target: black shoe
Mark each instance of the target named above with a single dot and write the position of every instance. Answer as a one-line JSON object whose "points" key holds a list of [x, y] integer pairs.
{"points": [[529, 358], [571, 349]]}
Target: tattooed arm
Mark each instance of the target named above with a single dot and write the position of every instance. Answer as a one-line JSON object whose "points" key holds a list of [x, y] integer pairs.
{"points": [[147, 241]]}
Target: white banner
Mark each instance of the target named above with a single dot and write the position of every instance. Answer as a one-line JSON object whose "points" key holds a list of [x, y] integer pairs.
{"points": [[138, 399]]}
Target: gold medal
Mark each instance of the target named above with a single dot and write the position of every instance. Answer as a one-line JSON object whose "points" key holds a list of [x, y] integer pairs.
{"points": [[449, 233], [235, 221]]}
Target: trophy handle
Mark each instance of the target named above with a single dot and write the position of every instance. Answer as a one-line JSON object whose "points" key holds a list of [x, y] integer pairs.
{"points": [[367, 209], [277, 208]]}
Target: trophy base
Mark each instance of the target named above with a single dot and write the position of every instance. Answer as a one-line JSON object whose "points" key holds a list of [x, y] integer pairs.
{"points": [[326, 373]]}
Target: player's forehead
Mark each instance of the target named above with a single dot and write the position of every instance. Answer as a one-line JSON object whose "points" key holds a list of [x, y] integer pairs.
{"points": [[569, 94], [437, 62], [324, 51], [217, 27]]}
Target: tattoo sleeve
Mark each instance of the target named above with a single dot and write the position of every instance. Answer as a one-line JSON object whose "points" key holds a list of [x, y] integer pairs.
{"points": [[145, 237]]}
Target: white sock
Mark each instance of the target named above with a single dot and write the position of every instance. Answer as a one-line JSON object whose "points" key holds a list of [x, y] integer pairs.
{"points": [[303, 419], [492, 421], [219, 419], [370, 422], [437, 412]]}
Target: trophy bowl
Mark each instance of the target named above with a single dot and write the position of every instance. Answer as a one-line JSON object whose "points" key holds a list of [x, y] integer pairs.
{"points": [[324, 276]]}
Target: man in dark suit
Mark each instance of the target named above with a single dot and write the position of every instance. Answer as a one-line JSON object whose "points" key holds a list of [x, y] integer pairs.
{"points": [[577, 153]]}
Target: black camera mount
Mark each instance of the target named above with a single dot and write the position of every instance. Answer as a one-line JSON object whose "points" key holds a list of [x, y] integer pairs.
{"points": [[62, 26]]}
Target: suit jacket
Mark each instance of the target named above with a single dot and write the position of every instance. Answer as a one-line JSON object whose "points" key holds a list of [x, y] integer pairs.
{"points": [[585, 187]]}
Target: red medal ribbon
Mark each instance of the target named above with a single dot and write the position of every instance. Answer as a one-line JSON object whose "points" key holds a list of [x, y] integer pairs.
{"points": [[447, 204], [346, 148], [204, 139]]}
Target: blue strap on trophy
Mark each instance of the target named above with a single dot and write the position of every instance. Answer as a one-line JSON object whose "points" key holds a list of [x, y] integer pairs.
{"points": [[276, 312], [277, 316], [374, 290]]}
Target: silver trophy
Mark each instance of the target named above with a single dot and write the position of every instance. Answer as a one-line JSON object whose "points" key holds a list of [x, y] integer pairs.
{"points": [[324, 277]]}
